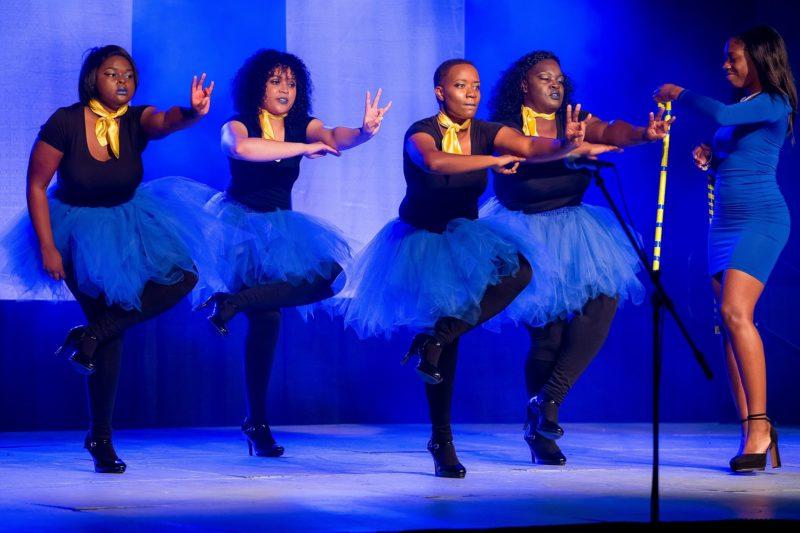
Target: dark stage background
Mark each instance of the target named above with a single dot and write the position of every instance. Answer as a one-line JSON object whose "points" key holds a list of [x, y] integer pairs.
{"points": [[177, 372]]}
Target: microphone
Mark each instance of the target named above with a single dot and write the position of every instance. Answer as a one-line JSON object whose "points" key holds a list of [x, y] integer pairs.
{"points": [[588, 164]]}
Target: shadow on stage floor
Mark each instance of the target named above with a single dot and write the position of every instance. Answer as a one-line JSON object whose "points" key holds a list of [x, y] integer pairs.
{"points": [[365, 478]]}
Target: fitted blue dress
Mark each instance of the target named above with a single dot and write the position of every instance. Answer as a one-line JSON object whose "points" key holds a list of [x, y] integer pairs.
{"points": [[751, 221]]}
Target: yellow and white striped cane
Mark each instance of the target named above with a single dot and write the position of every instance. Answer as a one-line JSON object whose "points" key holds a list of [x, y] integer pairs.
{"points": [[662, 191], [710, 194], [710, 187]]}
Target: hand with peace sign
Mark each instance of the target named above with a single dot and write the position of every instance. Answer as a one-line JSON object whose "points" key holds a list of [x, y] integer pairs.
{"points": [[373, 114], [658, 126], [575, 129], [200, 97]]}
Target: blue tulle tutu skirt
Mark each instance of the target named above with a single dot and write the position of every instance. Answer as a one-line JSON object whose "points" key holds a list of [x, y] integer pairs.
{"points": [[410, 277], [114, 251], [256, 248], [577, 253]]}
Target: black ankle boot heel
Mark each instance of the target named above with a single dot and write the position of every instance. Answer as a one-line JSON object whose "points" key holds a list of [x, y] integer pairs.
{"points": [[445, 461], [751, 462], [545, 412], [76, 348], [222, 311], [425, 346], [104, 456], [260, 440], [544, 451]]}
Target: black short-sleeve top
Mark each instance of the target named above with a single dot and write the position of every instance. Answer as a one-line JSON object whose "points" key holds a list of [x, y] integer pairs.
{"points": [[83, 180], [433, 200], [538, 187], [267, 186]]}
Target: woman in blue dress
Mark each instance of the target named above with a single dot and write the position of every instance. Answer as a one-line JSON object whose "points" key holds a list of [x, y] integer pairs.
{"points": [[750, 225]]}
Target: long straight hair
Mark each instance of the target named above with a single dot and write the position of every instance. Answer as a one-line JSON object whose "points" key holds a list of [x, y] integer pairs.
{"points": [[767, 50]]}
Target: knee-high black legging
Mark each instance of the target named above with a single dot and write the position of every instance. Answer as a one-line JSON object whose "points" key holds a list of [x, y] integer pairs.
{"points": [[261, 305], [108, 323], [562, 350], [448, 330]]}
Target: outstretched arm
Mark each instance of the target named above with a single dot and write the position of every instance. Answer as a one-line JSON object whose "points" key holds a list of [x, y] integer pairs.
{"points": [[343, 138], [621, 133], [421, 147], [236, 144], [768, 109], [158, 124], [540, 149]]}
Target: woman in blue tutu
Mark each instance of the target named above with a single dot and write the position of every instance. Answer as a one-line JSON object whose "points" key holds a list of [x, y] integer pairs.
{"points": [[585, 265], [126, 251], [270, 257], [750, 224], [437, 268]]}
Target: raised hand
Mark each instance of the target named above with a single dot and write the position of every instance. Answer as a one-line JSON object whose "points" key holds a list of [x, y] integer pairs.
{"points": [[201, 96], [502, 163], [575, 129], [658, 126], [373, 114], [319, 149], [701, 156]]}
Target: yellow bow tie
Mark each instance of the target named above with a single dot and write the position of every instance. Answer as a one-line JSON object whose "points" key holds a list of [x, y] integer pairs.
{"points": [[450, 142], [266, 126], [106, 128], [529, 117]]}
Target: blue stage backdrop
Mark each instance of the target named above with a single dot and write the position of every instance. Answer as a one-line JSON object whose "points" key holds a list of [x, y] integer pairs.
{"points": [[177, 372], [41, 47]]}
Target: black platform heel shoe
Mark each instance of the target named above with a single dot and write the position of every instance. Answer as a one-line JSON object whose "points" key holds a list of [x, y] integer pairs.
{"points": [[223, 310], [445, 460], [78, 348], [260, 440], [544, 451], [545, 412], [104, 456], [426, 348], [750, 462]]}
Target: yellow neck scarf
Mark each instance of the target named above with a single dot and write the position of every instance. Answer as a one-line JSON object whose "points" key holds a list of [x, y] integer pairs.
{"points": [[106, 128], [529, 117], [450, 142], [266, 127]]}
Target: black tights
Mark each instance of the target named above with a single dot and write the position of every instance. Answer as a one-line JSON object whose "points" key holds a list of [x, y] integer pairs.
{"points": [[496, 298], [261, 305], [108, 324], [448, 330], [440, 397], [562, 350]]}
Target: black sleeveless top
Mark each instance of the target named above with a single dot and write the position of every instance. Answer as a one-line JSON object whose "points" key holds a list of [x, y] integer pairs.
{"points": [[267, 186], [538, 187], [82, 179], [433, 200]]}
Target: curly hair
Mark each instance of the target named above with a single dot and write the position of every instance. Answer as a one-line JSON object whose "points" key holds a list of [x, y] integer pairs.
{"points": [[251, 80], [507, 96], [94, 57]]}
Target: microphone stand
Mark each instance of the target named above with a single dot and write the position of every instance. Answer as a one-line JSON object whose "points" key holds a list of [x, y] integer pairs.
{"points": [[660, 300]]}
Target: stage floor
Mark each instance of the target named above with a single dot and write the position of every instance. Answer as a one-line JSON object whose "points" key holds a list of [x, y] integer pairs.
{"points": [[357, 477]]}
